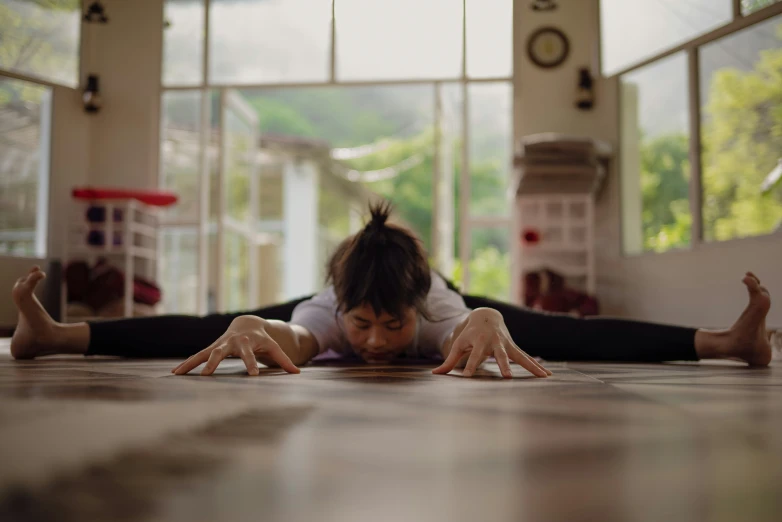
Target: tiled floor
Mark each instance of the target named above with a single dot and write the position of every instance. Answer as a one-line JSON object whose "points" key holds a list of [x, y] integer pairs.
{"points": [[106, 439]]}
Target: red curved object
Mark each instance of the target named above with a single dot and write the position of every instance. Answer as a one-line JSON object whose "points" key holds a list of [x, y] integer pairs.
{"points": [[531, 236], [156, 198]]}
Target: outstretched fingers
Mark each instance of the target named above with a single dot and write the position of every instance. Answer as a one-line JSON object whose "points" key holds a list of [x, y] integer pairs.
{"points": [[215, 358], [501, 356], [527, 362], [246, 353], [277, 355], [458, 349], [199, 358]]}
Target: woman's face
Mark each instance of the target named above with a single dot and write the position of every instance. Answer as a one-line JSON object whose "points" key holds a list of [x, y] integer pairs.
{"points": [[379, 338]]}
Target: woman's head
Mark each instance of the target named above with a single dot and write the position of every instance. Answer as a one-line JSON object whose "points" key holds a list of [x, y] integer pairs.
{"points": [[381, 279]]}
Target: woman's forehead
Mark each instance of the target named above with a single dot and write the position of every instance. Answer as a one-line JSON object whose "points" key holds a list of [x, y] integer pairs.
{"points": [[367, 311]]}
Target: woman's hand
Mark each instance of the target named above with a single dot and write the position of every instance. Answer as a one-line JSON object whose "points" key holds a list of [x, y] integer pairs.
{"points": [[485, 334], [245, 338]]}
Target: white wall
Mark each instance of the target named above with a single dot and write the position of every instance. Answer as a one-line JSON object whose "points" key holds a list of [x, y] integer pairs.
{"points": [[699, 287], [126, 55]]}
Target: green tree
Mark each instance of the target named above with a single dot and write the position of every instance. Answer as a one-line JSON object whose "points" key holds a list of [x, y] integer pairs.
{"points": [[742, 143], [665, 172], [36, 37]]}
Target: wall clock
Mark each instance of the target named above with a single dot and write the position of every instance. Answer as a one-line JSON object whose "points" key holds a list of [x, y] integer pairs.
{"points": [[548, 47]]}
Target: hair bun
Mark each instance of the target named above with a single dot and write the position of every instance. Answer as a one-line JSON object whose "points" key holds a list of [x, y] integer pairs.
{"points": [[380, 213]]}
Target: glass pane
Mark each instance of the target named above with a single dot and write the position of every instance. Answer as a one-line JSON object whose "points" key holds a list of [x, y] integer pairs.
{"points": [[490, 264], [377, 39], [25, 112], [336, 219], [183, 42], [491, 142], [489, 38], [269, 41], [379, 134], [750, 6], [180, 151], [236, 275], [655, 165], [633, 30], [741, 132], [179, 270], [238, 161], [41, 39]]}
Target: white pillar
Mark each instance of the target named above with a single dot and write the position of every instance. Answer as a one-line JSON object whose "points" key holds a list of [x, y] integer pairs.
{"points": [[630, 171], [300, 215]]}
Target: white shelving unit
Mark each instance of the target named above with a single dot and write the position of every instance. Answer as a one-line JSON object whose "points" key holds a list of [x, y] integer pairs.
{"points": [[558, 178], [564, 224], [130, 242]]}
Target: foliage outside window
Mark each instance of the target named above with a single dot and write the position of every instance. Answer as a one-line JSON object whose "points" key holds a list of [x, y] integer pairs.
{"points": [[40, 38], [741, 132], [24, 167], [655, 164]]}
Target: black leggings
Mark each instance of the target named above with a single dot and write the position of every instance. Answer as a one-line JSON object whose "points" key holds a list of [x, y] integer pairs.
{"points": [[546, 335]]}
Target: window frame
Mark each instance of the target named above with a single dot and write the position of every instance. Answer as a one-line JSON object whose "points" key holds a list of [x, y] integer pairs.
{"points": [[691, 48]]}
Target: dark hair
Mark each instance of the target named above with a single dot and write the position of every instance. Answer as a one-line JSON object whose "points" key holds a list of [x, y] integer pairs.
{"points": [[384, 265]]}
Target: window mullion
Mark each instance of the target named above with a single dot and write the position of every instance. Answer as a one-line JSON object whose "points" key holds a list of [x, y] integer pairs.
{"points": [[696, 208]]}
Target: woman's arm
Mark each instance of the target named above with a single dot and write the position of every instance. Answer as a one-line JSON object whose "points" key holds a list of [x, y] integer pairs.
{"points": [[252, 338]]}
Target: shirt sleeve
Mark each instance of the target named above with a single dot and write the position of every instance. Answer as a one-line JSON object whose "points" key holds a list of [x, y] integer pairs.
{"points": [[319, 316], [447, 310]]}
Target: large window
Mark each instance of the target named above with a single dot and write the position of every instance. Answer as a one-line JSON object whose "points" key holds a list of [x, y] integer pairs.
{"points": [[355, 100], [40, 39], [741, 131], [25, 110], [700, 138]]}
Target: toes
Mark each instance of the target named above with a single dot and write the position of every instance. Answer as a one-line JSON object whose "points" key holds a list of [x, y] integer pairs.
{"points": [[752, 283], [34, 279]]}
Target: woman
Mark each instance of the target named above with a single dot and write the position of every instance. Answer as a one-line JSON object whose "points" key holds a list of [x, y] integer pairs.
{"points": [[385, 303]]}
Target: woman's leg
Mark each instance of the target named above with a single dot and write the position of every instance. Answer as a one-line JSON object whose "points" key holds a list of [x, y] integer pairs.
{"points": [[170, 335], [563, 337], [161, 336]]}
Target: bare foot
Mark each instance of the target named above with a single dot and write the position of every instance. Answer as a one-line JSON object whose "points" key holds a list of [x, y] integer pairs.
{"points": [[36, 333], [747, 339]]}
